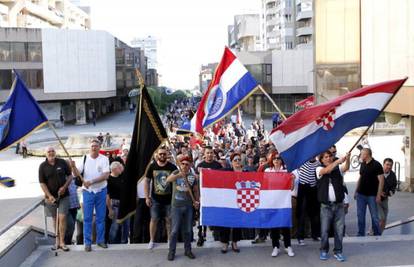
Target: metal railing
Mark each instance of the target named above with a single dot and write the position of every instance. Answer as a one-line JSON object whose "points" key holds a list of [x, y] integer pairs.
{"points": [[397, 170], [23, 214]]}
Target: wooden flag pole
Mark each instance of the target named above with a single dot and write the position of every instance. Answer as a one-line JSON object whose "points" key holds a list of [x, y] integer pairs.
{"points": [[273, 102], [187, 183], [64, 148]]}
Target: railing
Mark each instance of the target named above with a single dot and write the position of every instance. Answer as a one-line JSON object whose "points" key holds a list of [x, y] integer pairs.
{"points": [[23, 214], [397, 170]]}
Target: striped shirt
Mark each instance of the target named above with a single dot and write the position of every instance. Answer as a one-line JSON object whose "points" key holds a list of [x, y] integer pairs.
{"points": [[307, 173]]}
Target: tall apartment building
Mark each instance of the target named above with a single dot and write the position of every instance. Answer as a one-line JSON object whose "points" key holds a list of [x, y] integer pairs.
{"points": [[286, 24], [244, 34], [62, 14], [150, 46]]}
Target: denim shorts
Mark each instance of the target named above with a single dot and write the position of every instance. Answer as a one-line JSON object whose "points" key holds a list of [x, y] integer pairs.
{"points": [[159, 210]]}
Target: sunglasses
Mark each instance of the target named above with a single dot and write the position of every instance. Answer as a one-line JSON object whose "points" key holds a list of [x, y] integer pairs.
{"points": [[237, 159], [162, 154]]}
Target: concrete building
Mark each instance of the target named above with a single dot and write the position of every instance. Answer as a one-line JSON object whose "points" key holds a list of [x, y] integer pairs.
{"points": [[286, 24], [150, 46], [206, 75], [151, 77], [244, 35], [43, 14], [71, 72], [358, 43]]}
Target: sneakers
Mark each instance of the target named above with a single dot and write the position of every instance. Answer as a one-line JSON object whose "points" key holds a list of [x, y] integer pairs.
{"points": [[171, 256], [339, 257], [290, 252], [151, 245], [301, 242], [275, 252], [323, 256], [190, 255]]}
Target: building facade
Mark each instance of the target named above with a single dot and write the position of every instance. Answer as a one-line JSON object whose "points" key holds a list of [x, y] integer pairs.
{"points": [[206, 76], [286, 24], [60, 14], [244, 35], [76, 73], [150, 46]]}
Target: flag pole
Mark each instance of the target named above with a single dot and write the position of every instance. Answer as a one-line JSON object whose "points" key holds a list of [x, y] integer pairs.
{"points": [[385, 106], [273, 102], [64, 149], [179, 167]]}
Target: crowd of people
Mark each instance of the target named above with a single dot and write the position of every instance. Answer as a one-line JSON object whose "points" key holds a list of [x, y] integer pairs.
{"points": [[168, 197]]}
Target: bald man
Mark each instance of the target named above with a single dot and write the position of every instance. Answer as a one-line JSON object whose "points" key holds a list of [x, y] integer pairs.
{"points": [[54, 178]]}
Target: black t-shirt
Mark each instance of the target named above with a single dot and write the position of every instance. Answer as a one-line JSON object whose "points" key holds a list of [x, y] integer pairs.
{"points": [[214, 165], [114, 187], [368, 185], [54, 176], [161, 190]]}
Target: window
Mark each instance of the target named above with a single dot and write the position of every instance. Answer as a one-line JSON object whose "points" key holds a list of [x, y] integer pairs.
{"points": [[32, 78], [18, 51], [34, 52], [4, 51], [5, 79]]}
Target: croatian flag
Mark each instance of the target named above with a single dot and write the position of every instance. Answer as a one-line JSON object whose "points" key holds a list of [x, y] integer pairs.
{"points": [[231, 85], [315, 129], [246, 199]]}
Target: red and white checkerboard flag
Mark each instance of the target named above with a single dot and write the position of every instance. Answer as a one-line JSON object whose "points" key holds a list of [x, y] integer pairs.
{"points": [[246, 199]]}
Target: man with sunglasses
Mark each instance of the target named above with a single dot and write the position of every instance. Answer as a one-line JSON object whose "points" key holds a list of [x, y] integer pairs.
{"points": [[159, 199]]}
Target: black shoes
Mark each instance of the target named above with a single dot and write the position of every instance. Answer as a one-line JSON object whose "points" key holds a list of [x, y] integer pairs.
{"points": [[200, 242], [102, 245], [189, 254], [171, 256], [88, 248]]}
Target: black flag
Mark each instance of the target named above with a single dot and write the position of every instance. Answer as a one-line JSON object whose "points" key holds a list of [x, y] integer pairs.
{"points": [[148, 135]]}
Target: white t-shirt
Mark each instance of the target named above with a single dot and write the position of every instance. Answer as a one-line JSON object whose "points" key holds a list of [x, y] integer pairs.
{"points": [[332, 197], [93, 169], [295, 183], [140, 188]]}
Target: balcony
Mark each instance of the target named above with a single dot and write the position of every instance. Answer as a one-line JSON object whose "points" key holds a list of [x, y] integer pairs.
{"points": [[304, 15], [304, 31]]}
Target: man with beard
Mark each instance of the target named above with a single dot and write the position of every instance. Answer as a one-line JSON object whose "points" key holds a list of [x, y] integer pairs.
{"points": [[159, 200]]}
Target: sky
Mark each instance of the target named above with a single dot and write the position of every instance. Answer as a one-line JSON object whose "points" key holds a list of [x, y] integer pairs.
{"points": [[191, 32]]}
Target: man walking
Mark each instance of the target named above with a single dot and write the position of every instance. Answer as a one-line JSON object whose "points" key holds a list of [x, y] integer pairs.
{"points": [[368, 191], [95, 170], [159, 200], [54, 178]]}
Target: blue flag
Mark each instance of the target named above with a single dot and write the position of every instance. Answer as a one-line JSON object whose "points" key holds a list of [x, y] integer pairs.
{"points": [[19, 116]]}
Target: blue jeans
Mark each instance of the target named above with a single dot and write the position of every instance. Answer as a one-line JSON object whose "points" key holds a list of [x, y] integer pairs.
{"points": [[181, 217], [93, 201], [118, 233], [332, 213], [70, 225], [362, 202]]}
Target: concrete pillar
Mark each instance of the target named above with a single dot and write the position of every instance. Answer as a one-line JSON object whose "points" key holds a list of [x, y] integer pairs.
{"points": [[409, 154], [258, 107], [80, 113]]}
